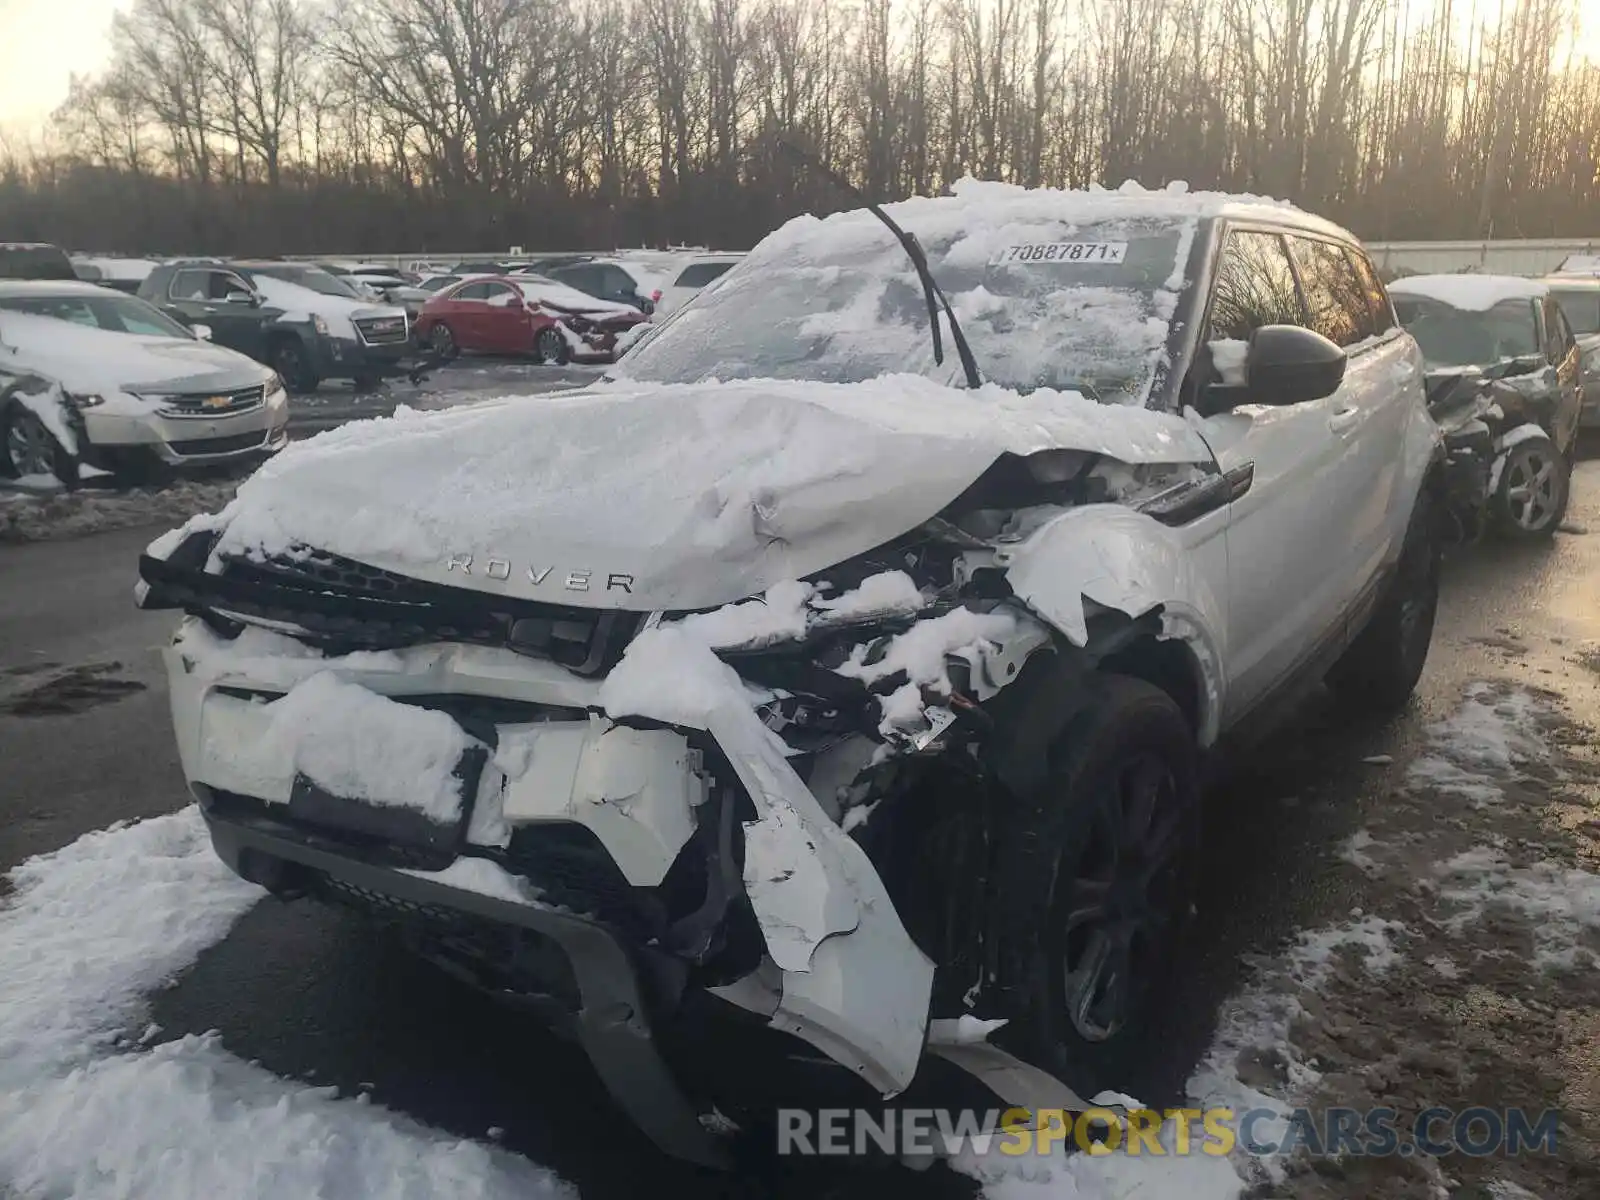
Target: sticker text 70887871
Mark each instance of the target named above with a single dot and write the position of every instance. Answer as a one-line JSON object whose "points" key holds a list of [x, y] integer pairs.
{"points": [[1064, 252]]}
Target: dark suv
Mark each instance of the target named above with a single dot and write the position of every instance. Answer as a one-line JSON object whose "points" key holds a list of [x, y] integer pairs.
{"points": [[34, 260], [297, 318]]}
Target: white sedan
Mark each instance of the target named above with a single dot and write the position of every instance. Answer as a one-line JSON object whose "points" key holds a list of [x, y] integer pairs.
{"points": [[92, 376]]}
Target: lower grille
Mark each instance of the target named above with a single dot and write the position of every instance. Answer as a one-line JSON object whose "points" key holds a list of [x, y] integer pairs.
{"points": [[195, 447]]}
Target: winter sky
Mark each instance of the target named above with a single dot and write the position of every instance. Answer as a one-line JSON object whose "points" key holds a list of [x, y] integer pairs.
{"points": [[42, 42]]}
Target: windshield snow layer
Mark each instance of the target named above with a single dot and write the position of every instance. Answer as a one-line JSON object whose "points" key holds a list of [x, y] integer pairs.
{"points": [[1058, 290]]}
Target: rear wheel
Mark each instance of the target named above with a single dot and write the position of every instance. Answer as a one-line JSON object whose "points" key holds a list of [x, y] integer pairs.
{"points": [[1097, 874], [550, 347], [290, 361], [1535, 482], [1380, 669]]}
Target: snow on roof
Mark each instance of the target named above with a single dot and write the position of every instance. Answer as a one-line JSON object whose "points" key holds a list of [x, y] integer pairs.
{"points": [[978, 202], [118, 268], [1472, 293], [548, 291]]}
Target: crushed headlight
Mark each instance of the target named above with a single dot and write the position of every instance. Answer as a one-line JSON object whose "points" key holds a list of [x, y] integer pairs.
{"points": [[87, 401]]}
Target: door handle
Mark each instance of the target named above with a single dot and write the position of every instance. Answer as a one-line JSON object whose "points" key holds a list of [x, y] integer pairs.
{"points": [[1344, 420]]}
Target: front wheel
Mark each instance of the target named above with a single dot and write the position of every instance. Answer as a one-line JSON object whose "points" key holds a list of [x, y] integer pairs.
{"points": [[550, 347], [28, 448], [1530, 500], [1379, 670], [443, 342], [1097, 875], [293, 365]]}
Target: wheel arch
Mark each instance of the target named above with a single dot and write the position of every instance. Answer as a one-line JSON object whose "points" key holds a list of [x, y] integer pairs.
{"points": [[1123, 589]]}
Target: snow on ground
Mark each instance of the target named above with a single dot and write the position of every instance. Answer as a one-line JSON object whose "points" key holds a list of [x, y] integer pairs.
{"points": [[1484, 744], [1561, 904], [61, 514], [90, 929]]}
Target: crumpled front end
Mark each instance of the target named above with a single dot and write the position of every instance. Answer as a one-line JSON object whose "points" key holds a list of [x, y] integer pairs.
{"points": [[697, 783]]}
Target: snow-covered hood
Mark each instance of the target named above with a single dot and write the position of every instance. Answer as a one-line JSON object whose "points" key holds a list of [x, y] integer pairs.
{"points": [[88, 360], [299, 303], [670, 497]]}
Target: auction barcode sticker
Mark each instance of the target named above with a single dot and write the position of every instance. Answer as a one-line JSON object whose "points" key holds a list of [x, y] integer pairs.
{"points": [[1064, 252]]}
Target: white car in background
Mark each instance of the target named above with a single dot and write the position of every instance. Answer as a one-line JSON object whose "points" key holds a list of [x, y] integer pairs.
{"points": [[92, 376], [701, 270]]}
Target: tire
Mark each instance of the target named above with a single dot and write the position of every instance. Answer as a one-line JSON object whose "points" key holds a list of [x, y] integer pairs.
{"points": [[551, 348], [28, 448], [1125, 765], [1379, 670], [290, 361], [1530, 500], [443, 342]]}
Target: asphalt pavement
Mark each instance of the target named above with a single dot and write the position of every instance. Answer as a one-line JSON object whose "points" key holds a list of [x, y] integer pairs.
{"points": [[85, 740]]}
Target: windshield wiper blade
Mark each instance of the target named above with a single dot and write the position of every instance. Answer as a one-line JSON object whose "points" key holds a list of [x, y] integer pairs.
{"points": [[919, 259]]}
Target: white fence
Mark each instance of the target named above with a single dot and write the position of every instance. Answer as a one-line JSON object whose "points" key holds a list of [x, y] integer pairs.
{"points": [[1531, 256]]}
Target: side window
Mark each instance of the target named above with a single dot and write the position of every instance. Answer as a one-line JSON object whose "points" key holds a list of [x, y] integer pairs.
{"points": [[497, 293], [618, 282], [1336, 302], [473, 291], [585, 279], [1255, 287], [224, 282], [190, 285], [1378, 303]]}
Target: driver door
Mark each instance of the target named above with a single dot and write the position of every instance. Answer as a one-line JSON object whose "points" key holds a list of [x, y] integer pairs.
{"points": [[1286, 529], [199, 296], [505, 321]]}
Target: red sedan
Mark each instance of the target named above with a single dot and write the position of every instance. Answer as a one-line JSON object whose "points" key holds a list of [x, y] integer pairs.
{"points": [[523, 314]]}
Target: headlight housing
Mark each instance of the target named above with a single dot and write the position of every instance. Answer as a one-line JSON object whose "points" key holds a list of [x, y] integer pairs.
{"points": [[274, 392], [84, 401], [319, 324]]}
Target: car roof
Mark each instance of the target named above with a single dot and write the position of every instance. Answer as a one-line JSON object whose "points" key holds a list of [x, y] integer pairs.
{"points": [[1474, 293], [29, 246], [54, 287]]}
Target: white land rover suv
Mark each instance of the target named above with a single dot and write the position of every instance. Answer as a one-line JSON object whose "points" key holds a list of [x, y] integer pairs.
{"points": [[845, 667]]}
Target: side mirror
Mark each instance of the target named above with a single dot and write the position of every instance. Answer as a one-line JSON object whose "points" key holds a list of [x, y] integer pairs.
{"points": [[1287, 364], [1527, 364], [240, 298], [201, 332]]}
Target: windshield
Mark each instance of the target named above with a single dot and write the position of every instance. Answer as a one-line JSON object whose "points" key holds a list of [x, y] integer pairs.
{"points": [[1453, 337], [1581, 307], [118, 314], [314, 278], [1045, 303]]}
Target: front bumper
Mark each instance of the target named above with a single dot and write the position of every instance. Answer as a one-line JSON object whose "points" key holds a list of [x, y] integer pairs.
{"points": [[108, 436], [610, 1020], [839, 969], [350, 358]]}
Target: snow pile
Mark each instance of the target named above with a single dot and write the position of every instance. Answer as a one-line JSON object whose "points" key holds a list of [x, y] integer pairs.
{"points": [[1471, 293], [667, 674], [357, 744], [87, 931], [781, 615], [558, 295], [1228, 356], [1561, 904], [299, 303], [483, 877], [891, 593], [58, 515], [1485, 743], [922, 650]]}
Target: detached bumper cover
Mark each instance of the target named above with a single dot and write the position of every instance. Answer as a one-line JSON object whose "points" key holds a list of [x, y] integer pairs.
{"points": [[611, 1023]]}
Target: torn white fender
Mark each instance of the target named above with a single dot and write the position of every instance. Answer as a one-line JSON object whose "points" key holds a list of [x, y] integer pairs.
{"points": [[1127, 561]]}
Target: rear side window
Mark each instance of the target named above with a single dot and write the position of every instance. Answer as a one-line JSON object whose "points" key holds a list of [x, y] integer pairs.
{"points": [[34, 262], [700, 274], [1581, 306], [1338, 306], [473, 291], [1255, 287], [1378, 303]]}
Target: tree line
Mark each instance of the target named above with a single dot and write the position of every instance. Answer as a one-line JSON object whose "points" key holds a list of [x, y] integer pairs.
{"points": [[288, 126]]}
